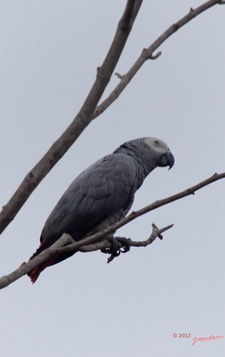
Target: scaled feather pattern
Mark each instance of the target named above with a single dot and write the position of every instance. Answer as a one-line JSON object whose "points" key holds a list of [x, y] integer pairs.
{"points": [[102, 194]]}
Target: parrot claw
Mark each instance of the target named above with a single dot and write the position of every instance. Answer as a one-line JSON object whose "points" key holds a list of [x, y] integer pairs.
{"points": [[116, 248], [125, 242]]}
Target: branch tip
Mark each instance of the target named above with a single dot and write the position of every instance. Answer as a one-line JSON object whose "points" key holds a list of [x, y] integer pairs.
{"points": [[119, 75], [158, 232], [148, 54], [157, 55]]}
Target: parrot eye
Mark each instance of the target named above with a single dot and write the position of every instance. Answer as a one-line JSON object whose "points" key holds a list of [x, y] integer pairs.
{"points": [[156, 142]]}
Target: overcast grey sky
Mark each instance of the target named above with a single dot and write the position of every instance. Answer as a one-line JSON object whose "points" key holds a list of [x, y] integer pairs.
{"points": [[83, 307]]}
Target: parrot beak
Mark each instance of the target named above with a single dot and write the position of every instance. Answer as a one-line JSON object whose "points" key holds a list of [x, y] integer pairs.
{"points": [[170, 159], [167, 159]]}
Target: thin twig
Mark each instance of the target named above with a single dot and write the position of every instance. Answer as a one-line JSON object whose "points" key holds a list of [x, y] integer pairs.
{"points": [[148, 53]]}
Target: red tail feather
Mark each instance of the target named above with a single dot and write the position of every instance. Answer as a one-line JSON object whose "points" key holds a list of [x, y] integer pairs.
{"points": [[34, 274]]}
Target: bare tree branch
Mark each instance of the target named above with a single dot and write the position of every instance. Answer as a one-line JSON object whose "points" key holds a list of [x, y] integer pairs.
{"points": [[93, 243], [87, 113], [41, 258], [156, 232], [148, 53], [135, 214], [82, 119], [57, 248]]}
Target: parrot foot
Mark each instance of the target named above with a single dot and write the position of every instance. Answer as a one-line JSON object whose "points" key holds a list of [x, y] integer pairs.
{"points": [[118, 245]]}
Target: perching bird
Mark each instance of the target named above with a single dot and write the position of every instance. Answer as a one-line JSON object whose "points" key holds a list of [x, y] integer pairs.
{"points": [[102, 194]]}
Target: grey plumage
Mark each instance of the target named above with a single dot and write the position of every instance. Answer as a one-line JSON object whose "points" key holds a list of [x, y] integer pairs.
{"points": [[103, 193]]}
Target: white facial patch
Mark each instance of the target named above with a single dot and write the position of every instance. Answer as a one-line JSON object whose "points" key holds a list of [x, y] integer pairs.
{"points": [[157, 144]]}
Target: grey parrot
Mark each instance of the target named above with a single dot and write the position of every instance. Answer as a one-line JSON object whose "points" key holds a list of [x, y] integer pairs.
{"points": [[102, 194]]}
